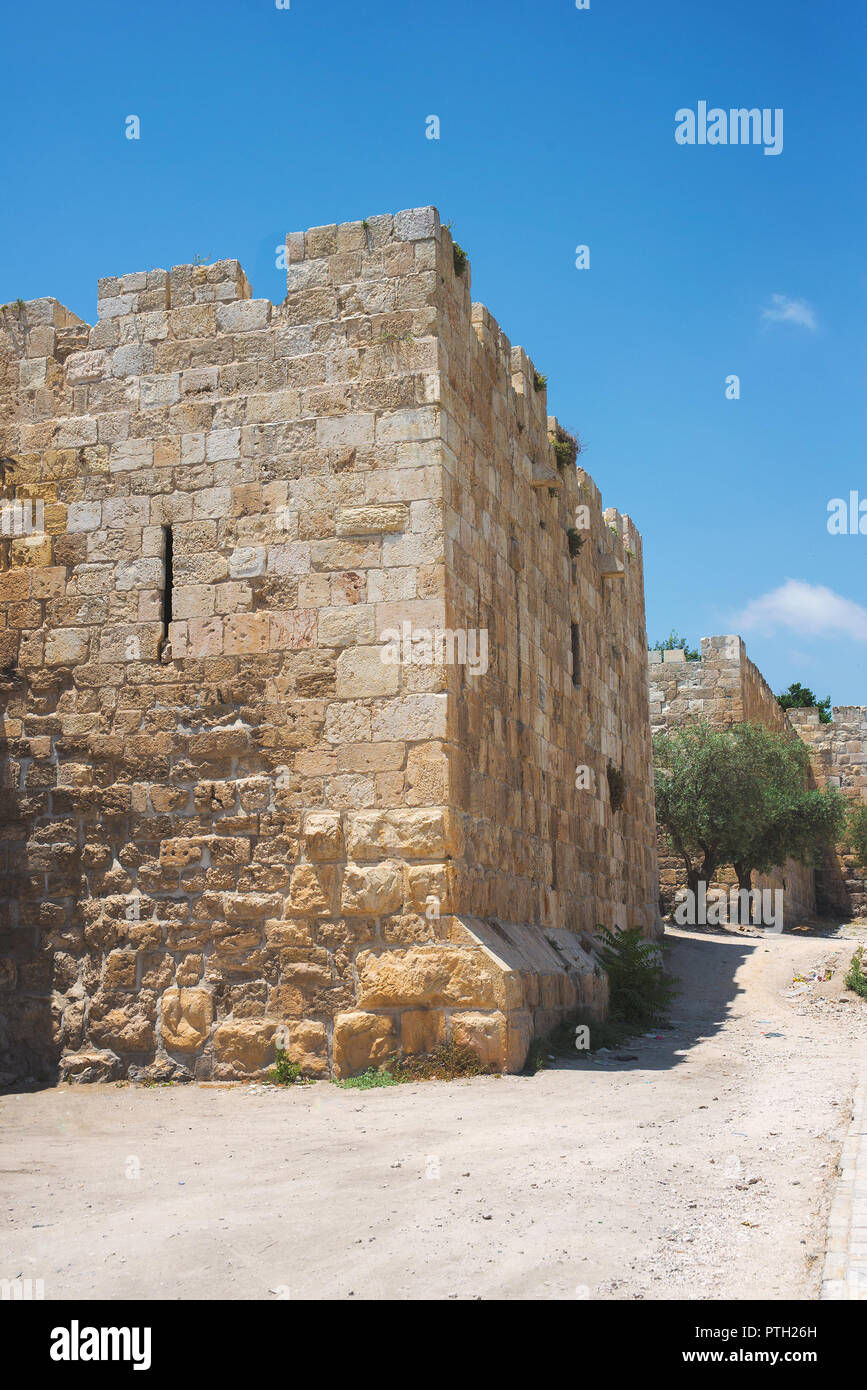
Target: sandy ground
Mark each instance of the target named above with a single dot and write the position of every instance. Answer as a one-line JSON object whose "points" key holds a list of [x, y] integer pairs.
{"points": [[701, 1169]]}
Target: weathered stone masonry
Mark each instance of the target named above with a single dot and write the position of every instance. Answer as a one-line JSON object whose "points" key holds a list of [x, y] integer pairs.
{"points": [[838, 753], [227, 821], [725, 687]]}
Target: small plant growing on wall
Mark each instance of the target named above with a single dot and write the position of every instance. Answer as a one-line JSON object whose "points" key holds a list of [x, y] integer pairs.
{"points": [[576, 541], [459, 255], [616, 787], [540, 381], [567, 447]]}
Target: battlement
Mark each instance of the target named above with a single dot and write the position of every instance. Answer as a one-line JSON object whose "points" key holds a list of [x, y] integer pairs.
{"points": [[387, 281]]}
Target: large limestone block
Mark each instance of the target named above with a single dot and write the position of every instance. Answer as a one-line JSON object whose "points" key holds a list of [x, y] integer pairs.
{"points": [[486, 1034], [362, 672], [250, 907], [307, 1045], [89, 1066], [419, 834], [438, 976], [187, 1015], [323, 835], [244, 1047], [67, 645], [430, 888], [365, 521], [411, 717], [372, 890], [127, 1027], [312, 888], [421, 1030], [362, 1040]]}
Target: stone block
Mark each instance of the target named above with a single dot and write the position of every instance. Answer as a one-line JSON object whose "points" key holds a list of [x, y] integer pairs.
{"points": [[362, 672], [486, 1034], [438, 976], [421, 1030], [420, 834], [186, 1018], [372, 890], [307, 1047], [323, 835], [363, 1040], [244, 1048], [312, 888]]}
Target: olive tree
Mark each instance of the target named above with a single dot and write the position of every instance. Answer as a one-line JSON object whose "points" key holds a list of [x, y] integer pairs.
{"points": [[740, 796]]}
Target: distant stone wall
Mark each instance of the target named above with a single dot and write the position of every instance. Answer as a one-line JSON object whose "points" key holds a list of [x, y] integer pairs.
{"points": [[724, 687], [839, 757]]}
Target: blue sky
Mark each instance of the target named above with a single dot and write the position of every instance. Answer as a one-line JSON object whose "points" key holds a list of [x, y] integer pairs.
{"points": [[557, 129]]}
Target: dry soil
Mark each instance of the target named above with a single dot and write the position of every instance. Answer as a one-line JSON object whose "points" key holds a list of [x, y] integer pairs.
{"points": [[700, 1168]]}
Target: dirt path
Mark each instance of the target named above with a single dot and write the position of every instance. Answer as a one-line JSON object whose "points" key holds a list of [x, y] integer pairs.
{"points": [[701, 1169]]}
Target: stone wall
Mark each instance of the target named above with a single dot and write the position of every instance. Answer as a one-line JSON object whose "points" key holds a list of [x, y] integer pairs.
{"points": [[723, 687], [230, 820], [838, 753]]}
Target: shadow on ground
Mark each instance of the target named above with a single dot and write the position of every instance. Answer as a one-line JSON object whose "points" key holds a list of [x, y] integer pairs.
{"points": [[704, 967]]}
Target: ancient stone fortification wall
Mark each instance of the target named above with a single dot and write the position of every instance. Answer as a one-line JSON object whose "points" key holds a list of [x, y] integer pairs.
{"points": [[536, 847], [839, 757], [228, 822], [723, 687]]}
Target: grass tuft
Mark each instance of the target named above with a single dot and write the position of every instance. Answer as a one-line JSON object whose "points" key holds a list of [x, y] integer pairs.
{"points": [[855, 978], [285, 1073], [449, 1062]]}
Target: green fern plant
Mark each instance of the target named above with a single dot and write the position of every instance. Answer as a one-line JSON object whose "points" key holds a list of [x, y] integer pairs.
{"points": [[641, 991]]}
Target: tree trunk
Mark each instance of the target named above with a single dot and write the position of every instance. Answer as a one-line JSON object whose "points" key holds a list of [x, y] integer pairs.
{"points": [[745, 881]]}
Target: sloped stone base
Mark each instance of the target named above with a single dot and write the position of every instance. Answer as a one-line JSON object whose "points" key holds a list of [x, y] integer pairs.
{"points": [[493, 986]]}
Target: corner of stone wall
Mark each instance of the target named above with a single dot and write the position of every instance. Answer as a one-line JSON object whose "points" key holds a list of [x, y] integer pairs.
{"points": [[488, 985]]}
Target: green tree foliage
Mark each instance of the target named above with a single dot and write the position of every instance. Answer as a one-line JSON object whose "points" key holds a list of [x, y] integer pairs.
{"points": [[790, 820], [699, 801], [801, 697], [675, 643], [856, 833], [740, 796]]}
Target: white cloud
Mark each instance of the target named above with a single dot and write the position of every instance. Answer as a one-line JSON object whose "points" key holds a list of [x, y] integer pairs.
{"points": [[782, 309], [805, 608]]}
